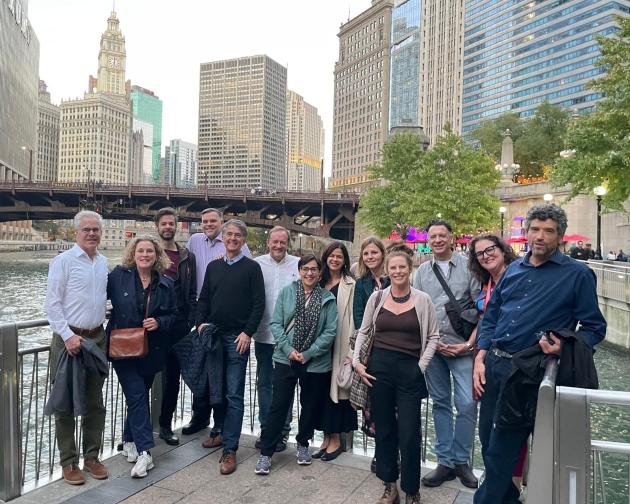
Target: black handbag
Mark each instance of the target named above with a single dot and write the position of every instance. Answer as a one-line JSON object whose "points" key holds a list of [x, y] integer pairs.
{"points": [[464, 319]]}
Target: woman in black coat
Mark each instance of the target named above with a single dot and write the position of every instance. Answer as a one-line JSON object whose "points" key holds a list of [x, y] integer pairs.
{"points": [[133, 284]]}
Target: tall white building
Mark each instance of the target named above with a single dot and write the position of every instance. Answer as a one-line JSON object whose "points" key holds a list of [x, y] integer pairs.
{"points": [[181, 163], [47, 137], [242, 109], [305, 144], [96, 130], [142, 173]]}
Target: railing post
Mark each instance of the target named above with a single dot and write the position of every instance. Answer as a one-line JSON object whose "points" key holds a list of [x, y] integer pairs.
{"points": [[156, 402], [10, 429]]}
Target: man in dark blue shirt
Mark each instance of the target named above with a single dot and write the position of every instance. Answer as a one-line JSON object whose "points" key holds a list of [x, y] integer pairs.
{"points": [[544, 290]]}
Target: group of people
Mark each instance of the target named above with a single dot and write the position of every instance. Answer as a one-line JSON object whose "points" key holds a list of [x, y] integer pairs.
{"points": [[448, 333]]}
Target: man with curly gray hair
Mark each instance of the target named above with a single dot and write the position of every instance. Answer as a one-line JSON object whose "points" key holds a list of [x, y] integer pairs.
{"points": [[539, 294]]}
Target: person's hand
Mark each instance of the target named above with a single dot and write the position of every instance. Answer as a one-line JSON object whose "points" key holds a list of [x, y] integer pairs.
{"points": [[242, 343], [150, 324], [547, 347], [73, 344], [453, 349], [201, 327], [300, 358], [294, 356], [479, 379], [361, 371]]}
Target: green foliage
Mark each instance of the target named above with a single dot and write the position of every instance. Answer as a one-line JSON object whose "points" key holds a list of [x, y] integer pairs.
{"points": [[452, 179], [490, 133], [601, 140]]}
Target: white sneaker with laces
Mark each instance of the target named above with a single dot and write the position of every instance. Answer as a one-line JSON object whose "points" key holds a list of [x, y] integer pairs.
{"points": [[144, 463], [129, 450]]}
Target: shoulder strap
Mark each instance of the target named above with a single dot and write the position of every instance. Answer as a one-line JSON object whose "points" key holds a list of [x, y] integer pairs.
{"points": [[447, 289]]}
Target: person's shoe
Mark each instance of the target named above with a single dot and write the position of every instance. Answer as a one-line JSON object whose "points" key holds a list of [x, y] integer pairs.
{"points": [[412, 499], [282, 444], [258, 443], [318, 454], [213, 442], [438, 476], [373, 465], [303, 456], [466, 476], [144, 464], [167, 434], [328, 456], [95, 468], [227, 462], [390, 494], [129, 450], [263, 466], [193, 426], [72, 475]]}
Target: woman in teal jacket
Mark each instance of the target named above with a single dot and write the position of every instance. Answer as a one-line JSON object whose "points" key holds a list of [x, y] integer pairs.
{"points": [[304, 326]]}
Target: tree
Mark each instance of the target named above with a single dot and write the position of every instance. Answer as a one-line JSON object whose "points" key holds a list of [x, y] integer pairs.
{"points": [[452, 179], [490, 133], [600, 141]]}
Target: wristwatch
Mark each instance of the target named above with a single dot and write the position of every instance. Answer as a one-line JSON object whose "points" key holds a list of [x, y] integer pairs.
{"points": [[470, 347]]}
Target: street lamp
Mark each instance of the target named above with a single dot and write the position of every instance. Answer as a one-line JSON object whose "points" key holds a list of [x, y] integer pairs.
{"points": [[548, 197], [599, 192], [502, 211], [30, 162], [300, 235]]}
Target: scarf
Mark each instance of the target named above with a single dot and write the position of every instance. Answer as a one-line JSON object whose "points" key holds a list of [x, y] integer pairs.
{"points": [[306, 317]]}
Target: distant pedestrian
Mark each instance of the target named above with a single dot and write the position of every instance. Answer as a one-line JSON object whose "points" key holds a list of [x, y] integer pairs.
{"points": [[579, 252]]}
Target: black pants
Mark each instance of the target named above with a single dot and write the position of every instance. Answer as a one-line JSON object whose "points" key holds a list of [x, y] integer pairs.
{"points": [[399, 388], [313, 390]]}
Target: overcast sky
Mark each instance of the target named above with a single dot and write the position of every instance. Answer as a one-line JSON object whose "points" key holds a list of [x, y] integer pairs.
{"points": [[167, 40]]}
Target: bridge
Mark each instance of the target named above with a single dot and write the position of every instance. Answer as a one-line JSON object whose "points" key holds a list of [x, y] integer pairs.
{"points": [[323, 214]]}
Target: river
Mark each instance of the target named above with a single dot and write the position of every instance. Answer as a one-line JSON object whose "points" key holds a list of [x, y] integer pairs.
{"points": [[22, 294]]}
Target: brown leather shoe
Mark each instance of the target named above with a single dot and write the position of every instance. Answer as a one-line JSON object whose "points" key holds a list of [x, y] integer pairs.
{"points": [[95, 468], [72, 475], [228, 463], [213, 442], [412, 499], [390, 494]]}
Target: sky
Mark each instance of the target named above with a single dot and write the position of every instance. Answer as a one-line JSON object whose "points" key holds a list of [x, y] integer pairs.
{"points": [[166, 41]]}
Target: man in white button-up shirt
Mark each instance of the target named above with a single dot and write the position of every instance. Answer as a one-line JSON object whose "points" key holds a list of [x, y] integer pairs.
{"points": [[279, 270], [75, 305]]}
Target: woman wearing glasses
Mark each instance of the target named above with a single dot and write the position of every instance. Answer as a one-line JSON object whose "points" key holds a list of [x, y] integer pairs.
{"points": [[304, 326]]}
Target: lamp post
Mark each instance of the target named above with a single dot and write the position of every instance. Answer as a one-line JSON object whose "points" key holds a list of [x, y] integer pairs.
{"points": [[548, 197], [599, 192], [502, 211], [30, 162], [300, 235]]}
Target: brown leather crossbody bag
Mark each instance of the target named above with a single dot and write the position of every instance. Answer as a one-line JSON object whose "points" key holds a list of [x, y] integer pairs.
{"points": [[131, 342]]}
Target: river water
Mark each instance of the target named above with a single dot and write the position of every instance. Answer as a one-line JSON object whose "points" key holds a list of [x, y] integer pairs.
{"points": [[22, 294]]}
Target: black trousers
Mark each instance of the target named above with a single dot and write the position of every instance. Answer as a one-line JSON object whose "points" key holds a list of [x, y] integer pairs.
{"points": [[399, 388], [313, 390]]}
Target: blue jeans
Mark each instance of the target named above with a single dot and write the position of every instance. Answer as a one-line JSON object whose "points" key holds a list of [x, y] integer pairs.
{"points": [[452, 445], [234, 368], [500, 448], [137, 428], [264, 370]]}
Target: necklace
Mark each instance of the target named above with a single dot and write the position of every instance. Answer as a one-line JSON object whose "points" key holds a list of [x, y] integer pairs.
{"points": [[401, 299]]}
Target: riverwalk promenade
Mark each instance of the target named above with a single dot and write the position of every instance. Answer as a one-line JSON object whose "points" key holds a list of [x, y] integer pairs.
{"points": [[189, 473]]}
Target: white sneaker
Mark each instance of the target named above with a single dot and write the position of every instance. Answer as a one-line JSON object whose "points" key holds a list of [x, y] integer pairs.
{"points": [[129, 450], [144, 463]]}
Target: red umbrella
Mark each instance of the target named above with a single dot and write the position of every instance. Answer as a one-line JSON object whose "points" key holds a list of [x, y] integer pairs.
{"points": [[575, 237], [462, 240], [517, 239]]}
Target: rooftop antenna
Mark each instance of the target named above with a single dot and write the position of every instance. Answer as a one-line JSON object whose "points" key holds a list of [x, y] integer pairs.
{"points": [[113, 5]]}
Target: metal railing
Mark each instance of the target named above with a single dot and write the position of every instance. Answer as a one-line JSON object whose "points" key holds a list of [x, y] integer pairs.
{"points": [[613, 281]]}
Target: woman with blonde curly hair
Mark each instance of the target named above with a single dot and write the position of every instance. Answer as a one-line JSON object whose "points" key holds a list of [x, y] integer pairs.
{"points": [[141, 296]]}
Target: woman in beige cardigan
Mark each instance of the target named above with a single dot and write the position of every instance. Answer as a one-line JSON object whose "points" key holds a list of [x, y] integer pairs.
{"points": [[404, 341], [337, 414]]}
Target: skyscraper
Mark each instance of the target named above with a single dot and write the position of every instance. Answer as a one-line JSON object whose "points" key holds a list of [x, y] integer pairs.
{"points": [[141, 171], [441, 66], [181, 163], [47, 137], [242, 109], [305, 144], [19, 73], [96, 130], [519, 53], [361, 107], [147, 107]]}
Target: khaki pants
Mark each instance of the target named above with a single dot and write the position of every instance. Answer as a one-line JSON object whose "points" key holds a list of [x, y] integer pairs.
{"points": [[93, 423]]}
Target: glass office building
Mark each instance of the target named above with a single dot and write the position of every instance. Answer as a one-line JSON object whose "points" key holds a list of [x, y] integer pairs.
{"points": [[147, 107], [405, 64], [519, 53], [19, 79]]}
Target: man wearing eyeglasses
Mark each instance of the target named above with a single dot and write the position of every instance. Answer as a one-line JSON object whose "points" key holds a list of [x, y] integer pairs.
{"points": [[232, 298], [453, 359], [76, 295]]}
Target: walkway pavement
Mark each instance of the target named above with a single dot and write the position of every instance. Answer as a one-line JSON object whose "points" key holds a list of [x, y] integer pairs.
{"points": [[190, 474]]}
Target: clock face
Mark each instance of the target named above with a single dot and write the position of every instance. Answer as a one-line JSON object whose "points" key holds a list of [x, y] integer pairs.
{"points": [[116, 62], [110, 61]]}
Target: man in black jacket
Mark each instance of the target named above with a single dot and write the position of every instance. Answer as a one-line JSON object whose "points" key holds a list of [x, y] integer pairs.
{"points": [[182, 271]]}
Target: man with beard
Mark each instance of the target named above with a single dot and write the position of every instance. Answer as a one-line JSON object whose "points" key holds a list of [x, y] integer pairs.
{"points": [[183, 273]]}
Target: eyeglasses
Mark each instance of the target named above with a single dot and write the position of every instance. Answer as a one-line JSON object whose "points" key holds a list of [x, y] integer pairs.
{"points": [[306, 270], [487, 251], [95, 230]]}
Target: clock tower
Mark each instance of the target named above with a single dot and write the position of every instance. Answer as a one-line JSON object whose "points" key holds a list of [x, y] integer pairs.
{"points": [[112, 59]]}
